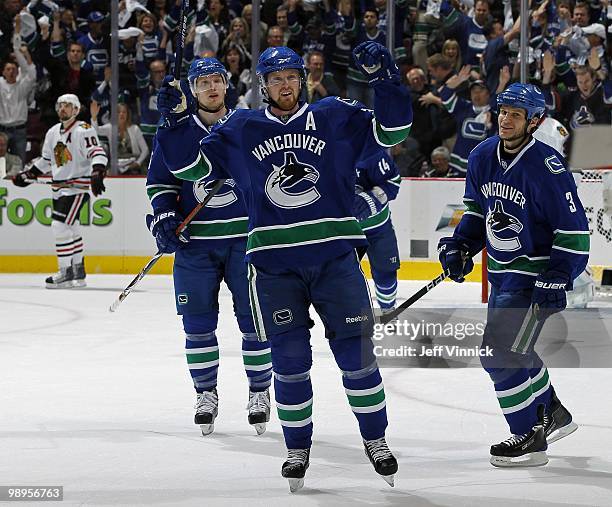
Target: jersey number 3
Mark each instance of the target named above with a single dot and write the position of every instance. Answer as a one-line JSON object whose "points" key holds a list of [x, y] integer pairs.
{"points": [[572, 206]]}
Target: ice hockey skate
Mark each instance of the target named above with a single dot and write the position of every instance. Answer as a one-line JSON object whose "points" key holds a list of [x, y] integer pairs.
{"points": [[79, 275], [294, 469], [207, 407], [558, 421], [527, 450], [259, 410], [380, 456], [60, 280]]}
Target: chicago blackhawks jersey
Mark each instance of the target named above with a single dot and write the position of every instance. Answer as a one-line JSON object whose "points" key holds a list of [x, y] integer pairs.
{"points": [[70, 155], [223, 221], [298, 177], [528, 212]]}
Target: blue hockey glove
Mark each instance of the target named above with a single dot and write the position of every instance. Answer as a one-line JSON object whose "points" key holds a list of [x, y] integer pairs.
{"points": [[454, 256], [376, 63], [549, 294], [163, 227], [172, 101], [367, 204]]}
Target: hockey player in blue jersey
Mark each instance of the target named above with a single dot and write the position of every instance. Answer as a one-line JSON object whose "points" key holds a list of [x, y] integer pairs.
{"points": [[522, 203], [295, 164], [378, 183], [211, 249]]}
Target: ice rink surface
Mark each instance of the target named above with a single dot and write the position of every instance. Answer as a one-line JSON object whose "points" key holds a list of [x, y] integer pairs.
{"points": [[101, 404]]}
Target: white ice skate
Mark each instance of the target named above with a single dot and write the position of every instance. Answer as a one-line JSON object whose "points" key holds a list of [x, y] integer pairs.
{"points": [[207, 408], [259, 410]]}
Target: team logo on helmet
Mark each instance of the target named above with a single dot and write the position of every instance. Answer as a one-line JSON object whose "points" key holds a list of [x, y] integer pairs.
{"points": [[61, 154], [202, 188], [500, 223], [292, 185]]}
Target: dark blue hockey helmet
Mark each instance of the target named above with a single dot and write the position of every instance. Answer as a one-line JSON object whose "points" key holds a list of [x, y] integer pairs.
{"points": [[205, 67], [275, 59], [523, 96]]}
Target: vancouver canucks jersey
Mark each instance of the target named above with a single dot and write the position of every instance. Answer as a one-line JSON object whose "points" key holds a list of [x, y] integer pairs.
{"points": [[474, 125], [529, 212], [298, 177], [223, 221], [378, 170]]}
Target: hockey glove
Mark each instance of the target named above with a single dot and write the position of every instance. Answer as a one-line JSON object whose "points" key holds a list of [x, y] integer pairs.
{"points": [[172, 101], [367, 204], [376, 63], [454, 257], [549, 294], [97, 180], [25, 178], [163, 226]]}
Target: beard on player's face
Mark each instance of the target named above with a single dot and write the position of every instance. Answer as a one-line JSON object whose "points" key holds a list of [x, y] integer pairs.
{"points": [[286, 97]]}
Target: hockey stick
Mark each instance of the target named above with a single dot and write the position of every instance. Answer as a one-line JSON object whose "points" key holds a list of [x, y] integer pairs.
{"points": [[384, 319], [180, 42], [158, 255]]}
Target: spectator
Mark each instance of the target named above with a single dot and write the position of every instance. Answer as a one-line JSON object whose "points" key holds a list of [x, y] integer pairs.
{"points": [[596, 59], [154, 39], [451, 50], [8, 12], [356, 84], [69, 73], [239, 72], [239, 37], [440, 167], [275, 37], [468, 31], [247, 13], [12, 162], [498, 53], [218, 18], [582, 15], [340, 24], [318, 83], [475, 118], [14, 91], [428, 117], [95, 45], [132, 151], [590, 104], [440, 69]]}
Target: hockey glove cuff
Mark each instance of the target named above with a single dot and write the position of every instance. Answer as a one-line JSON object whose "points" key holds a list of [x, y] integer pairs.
{"points": [[455, 257], [25, 178], [368, 204], [163, 227], [549, 293]]}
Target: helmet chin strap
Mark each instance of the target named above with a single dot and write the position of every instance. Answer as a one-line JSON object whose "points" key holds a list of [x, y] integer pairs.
{"points": [[206, 110]]}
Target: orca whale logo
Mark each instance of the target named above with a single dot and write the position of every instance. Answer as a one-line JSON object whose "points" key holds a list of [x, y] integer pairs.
{"points": [[498, 221], [292, 185], [225, 197]]}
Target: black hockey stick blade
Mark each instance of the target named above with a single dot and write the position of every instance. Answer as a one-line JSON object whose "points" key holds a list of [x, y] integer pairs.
{"points": [[384, 319]]}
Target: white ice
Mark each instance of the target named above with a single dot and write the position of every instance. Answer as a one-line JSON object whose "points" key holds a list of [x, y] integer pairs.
{"points": [[102, 404]]}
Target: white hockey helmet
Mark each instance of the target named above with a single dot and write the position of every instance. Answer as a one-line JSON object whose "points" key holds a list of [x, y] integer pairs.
{"points": [[69, 98]]}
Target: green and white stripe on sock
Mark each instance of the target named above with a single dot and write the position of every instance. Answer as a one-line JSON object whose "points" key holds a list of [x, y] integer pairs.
{"points": [[540, 383], [257, 360], [516, 398], [295, 416], [366, 401], [201, 358]]}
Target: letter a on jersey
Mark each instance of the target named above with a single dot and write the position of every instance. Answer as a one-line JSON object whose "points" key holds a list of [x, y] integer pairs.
{"points": [[296, 176], [499, 223]]}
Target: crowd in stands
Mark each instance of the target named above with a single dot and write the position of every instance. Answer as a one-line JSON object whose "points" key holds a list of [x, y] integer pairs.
{"points": [[455, 56]]}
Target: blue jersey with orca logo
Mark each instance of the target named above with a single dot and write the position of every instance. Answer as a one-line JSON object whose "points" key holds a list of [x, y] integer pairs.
{"points": [[527, 211]]}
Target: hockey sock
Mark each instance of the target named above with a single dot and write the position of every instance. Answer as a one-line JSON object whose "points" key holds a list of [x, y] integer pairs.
{"points": [[257, 362], [363, 385], [202, 351], [516, 398], [386, 287], [541, 386], [65, 243], [292, 359]]}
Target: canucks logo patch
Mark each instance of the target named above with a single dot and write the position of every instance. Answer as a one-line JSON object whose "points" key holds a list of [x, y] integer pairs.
{"points": [[182, 299], [62, 154], [503, 229], [225, 197], [292, 185], [554, 165]]}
